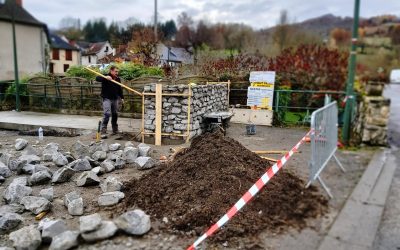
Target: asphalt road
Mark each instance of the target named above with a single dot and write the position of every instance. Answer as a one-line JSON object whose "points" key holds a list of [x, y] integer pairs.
{"points": [[388, 236]]}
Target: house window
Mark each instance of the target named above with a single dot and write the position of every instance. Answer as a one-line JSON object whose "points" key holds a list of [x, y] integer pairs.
{"points": [[68, 55], [90, 61], [66, 66], [51, 68], [106, 49], [56, 54]]}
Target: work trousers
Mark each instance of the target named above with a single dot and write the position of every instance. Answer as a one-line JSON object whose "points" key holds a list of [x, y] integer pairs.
{"points": [[110, 109]]}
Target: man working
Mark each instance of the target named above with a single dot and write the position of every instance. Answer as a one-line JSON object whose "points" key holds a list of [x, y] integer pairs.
{"points": [[112, 98]]}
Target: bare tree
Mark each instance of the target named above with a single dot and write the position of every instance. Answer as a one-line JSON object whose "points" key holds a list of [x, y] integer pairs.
{"points": [[282, 30]]}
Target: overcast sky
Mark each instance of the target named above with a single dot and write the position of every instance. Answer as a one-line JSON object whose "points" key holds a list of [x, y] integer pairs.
{"points": [[257, 13]]}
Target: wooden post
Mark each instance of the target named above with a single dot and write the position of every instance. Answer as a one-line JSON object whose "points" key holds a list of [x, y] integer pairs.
{"points": [[229, 90], [143, 118], [158, 113], [188, 121]]}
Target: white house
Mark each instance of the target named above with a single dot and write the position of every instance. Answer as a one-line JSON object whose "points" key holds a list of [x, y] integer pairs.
{"points": [[173, 55], [31, 38], [93, 53], [63, 55]]}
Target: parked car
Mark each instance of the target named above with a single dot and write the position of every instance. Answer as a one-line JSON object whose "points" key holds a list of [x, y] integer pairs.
{"points": [[395, 76]]}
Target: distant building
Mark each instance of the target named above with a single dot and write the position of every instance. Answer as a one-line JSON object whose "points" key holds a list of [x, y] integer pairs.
{"points": [[93, 53], [63, 55], [173, 56], [31, 37]]}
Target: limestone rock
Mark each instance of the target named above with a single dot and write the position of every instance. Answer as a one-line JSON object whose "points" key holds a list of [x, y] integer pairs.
{"points": [[119, 163], [17, 190], [110, 198], [29, 159], [27, 238], [81, 165], [134, 222], [130, 154], [36, 204], [20, 144], [145, 162], [4, 170], [107, 165], [79, 150], [99, 155], [65, 240], [47, 193], [11, 208], [144, 149], [59, 159], [9, 221], [40, 177], [89, 223], [106, 230], [75, 207], [114, 147], [87, 178], [98, 170], [53, 228], [111, 184], [63, 175]]}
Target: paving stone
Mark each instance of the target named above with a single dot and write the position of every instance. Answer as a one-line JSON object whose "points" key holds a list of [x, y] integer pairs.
{"points": [[106, 230], [36, 204], [26, 238], [65, 241], [9, 221], [20, 144], [110, 198], [87, 178], [47, 193], [89, 223], [111, 184], [63, 175], [134, 222]]}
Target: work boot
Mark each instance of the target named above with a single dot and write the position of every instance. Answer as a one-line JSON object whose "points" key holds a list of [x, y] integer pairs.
{"points": [[103, 131]]}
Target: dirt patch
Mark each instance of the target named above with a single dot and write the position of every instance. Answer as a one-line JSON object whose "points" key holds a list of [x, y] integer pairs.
{"points": [[49, 132], [205, 180]]}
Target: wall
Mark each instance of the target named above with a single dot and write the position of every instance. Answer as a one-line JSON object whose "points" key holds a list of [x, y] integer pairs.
{"points": [[30, 50], [85, 60], [205, 99], [58, 67]]}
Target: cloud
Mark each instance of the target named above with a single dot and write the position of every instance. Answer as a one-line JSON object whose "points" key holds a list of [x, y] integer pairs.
{"points": [[256, 13]]}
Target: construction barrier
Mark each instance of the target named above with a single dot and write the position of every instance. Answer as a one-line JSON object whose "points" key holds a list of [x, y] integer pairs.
{"points": [[324, 138], [249, 194]]}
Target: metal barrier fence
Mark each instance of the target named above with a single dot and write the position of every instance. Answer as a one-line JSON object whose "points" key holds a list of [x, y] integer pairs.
{"points": [[324, 138]]}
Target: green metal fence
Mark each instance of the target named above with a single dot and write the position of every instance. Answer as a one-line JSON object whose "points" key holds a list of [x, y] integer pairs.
{"points": [[80, 96]]}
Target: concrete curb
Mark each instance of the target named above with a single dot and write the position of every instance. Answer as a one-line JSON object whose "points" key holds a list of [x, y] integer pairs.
{"points": [[357, 223]]}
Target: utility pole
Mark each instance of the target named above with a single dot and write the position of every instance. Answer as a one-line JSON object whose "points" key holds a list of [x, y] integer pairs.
{"points": [[350, 98], [16, 79], [155, 19]]}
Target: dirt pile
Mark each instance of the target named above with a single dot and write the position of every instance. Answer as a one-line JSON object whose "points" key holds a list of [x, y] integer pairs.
{"points": [[203, 182]]}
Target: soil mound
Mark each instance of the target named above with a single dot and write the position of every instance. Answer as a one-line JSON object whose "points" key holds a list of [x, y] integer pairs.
{"points": [[202, 183]]}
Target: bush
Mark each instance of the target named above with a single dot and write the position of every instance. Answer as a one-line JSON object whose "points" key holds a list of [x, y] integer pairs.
{"points": [[127, 71]]}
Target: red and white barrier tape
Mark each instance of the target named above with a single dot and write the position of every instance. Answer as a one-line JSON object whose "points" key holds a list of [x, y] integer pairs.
{"points": [[249, 194]]}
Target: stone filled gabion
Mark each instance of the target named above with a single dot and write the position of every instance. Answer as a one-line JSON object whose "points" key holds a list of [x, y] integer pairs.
{"points": [[204, 99]]}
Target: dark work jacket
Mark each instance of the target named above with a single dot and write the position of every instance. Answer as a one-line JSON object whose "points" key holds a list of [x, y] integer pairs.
{"points": [[110, 90]]}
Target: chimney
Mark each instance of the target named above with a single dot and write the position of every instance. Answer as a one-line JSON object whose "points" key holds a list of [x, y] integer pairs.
{"points": [[19, 2]]}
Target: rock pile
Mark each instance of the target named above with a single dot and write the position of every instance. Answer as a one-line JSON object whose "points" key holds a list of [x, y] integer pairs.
{"points": [[205, 99], [50, 165]]}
